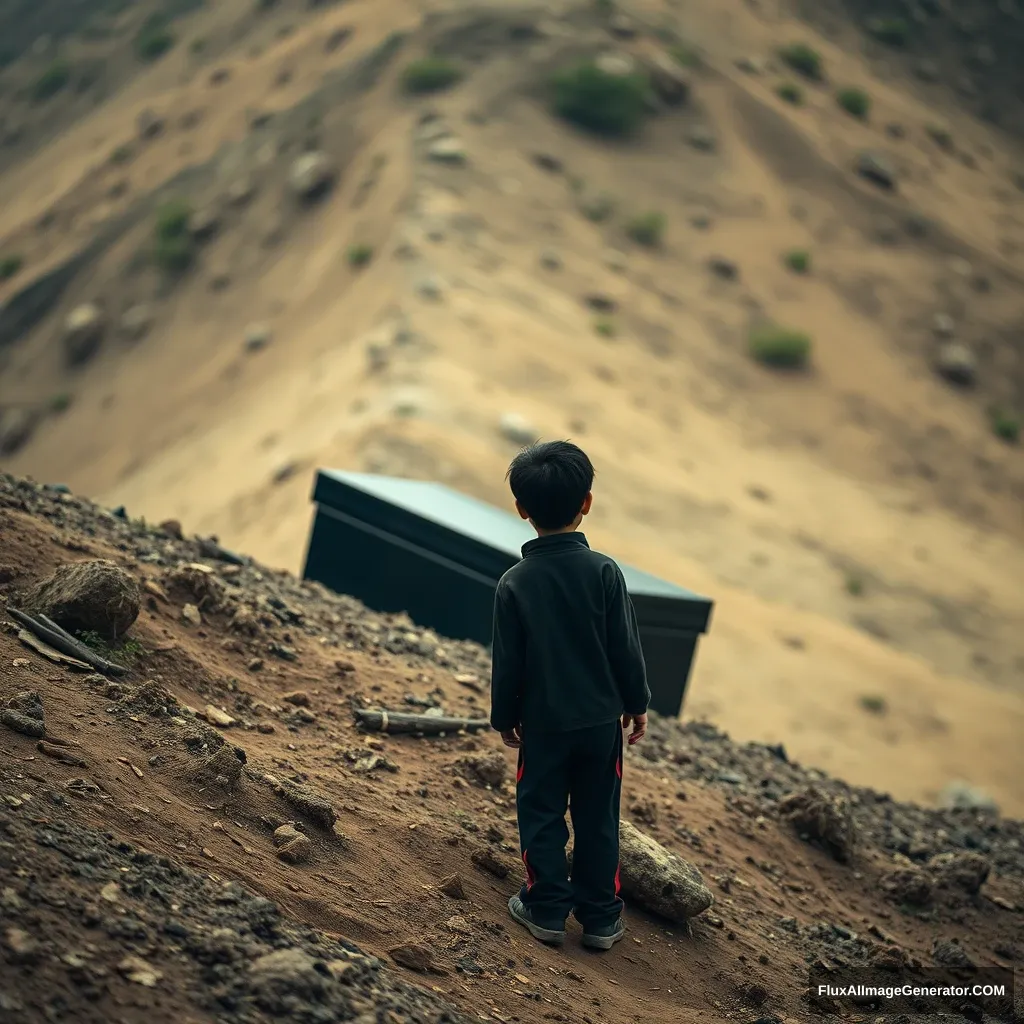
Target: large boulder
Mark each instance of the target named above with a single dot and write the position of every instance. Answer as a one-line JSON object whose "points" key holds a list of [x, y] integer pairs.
{"points": [[822, 818], [659, 879], [83, 332], [95, 596]]}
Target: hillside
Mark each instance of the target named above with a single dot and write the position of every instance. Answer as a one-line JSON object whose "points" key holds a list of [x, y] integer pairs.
{"points": [[144, 874], [474, 271]]}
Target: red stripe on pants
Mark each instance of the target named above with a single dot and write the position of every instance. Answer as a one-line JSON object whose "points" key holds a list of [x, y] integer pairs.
{"points": [[529, 873]]}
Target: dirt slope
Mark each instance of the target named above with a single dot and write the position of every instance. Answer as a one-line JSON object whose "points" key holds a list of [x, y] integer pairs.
{"points": [[858, 525], [136, 883]]}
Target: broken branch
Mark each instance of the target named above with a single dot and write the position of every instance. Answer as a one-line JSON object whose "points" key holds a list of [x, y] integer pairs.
{"points": [[424, 725], [63, 642]]}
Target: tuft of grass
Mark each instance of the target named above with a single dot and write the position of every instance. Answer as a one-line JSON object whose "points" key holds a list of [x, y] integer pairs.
{"points": [[798, 260], [854, 586], [360, 255], [604, 6], [197, 46], [790, 92], [606, 327], [599, 102], [647, 228], [123, 652], [175, 250], [1005, 425], [597, 208], [154, 38], [122, 154], [854, 101], [60, 403], [940, 136], [780, 347], [10, 265], [803, 59], [51, 81], [874, 704], [891, 31], [685, 56], [430, 74]]}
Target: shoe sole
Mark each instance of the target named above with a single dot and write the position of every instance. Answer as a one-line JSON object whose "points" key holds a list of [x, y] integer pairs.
{"points": [[602, 942], [546, 935]]}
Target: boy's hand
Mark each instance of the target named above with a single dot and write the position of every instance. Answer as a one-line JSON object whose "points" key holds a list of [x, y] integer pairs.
{"points": [[639, 727], [512, 738]]}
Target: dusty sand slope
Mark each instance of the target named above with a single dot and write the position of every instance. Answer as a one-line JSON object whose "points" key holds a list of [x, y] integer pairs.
{"points": [[859, 527]]}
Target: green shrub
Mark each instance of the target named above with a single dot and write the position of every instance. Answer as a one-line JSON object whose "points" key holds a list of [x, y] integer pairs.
{"points": [[175, 248], [60, 403], [891, 31], [854, 101], [647, 228], [430, 74], [780, 347], [51, 81], [598, 207], [874, 704], [790, 92], [122, 154], [360, 255], [798, 260], [605, 326], [685, 56], [600, 102], [803, 59], [9, 266], [940, 136], [154, 38], [854, 586], [1005, 425]]}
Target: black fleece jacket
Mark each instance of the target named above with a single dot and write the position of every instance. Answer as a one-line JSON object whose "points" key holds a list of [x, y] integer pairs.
{"points": [[566, 649]]}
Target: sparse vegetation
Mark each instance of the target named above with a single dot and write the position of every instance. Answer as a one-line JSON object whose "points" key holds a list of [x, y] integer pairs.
{"points": [[780, 347], [874, 704], [430, 74], [854, 586], [891, 31], [122, 154], [9, 266], [597, 208], [60, 403], [360, 255], [790, 92], [685, 56], [197, 46], [940, 136], [154, 38], [123, 652], [606, 327], [803, 59], [647, 228], [175, 249], [600, 101], [854, 101], [1005, 425], [604, 6], [51, 81], [798, 260]]}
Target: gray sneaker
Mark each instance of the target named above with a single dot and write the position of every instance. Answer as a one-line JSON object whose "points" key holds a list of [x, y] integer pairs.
{"points": [[604, 937], [524, 916]]}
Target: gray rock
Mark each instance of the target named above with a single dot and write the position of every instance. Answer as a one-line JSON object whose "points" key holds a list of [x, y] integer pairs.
{"points": [[149, 124], [285, 973], [942, 324], [430, 288], [962, 795], [670, 82], [203, 224], [241, 190], [449, 150], [659, 879], [517, 429], [311, 176], [257, 337], [877, 169], [750, 65], [617, 64], [550, 260], [622, 26], [956, 363], [702, 138], [965, 871], [25, 724], [83, 332], [16, 429], [136, 321]]}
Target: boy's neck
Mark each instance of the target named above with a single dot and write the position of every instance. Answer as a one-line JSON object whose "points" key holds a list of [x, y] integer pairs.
{"points": [[571, 528]]}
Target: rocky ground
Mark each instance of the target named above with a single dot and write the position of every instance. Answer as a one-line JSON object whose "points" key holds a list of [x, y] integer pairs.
{"points": [[209, 837]]}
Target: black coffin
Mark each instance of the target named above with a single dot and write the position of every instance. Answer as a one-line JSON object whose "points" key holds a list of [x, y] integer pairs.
{"points": [[422, 548]]}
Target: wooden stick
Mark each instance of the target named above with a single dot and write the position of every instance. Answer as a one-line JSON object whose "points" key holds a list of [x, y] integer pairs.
{"points": [[425, 725], [73, 648]]}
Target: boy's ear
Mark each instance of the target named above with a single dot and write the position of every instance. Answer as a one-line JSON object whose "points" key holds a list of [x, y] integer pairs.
{"points": [[523, 514], [587, 502]]}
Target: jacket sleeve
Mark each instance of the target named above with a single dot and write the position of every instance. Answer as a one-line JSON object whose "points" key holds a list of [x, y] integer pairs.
{"points": [[507, 659], [624, 650]]}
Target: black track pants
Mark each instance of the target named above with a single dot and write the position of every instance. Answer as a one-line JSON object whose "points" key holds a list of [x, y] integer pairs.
{"points": [[582, 771]]}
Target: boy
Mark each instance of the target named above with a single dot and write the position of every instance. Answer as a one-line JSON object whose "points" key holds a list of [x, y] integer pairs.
{"points": [[567, 677]]}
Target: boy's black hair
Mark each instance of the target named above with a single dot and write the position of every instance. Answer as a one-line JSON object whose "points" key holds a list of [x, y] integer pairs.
{"points": [[551, 481]]}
